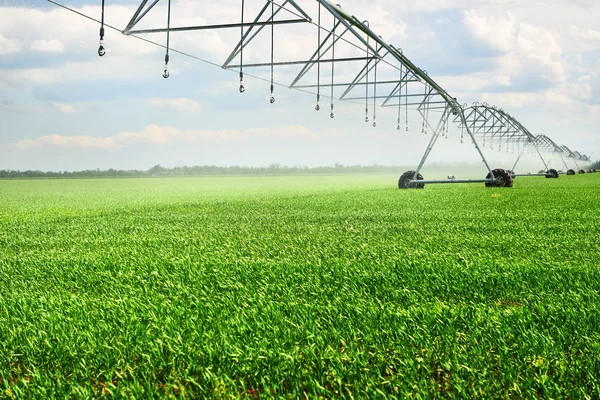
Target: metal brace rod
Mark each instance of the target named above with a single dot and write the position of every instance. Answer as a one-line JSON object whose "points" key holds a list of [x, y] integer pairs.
{"points": [[243, 43], [464, 121], [490, 180], [434, 138], [126, 32], [396, 93], [220, 26], [541, 158], [333, 9], [564, 163], [415, 104], [299, 62], [516, 162], [348, 83], [298, 8], [133, 21], [366, 69], [385, 97], [320, 51]]}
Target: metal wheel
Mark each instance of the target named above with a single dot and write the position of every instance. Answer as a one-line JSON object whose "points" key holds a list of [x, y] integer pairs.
{"points": [[503, 178], [405, 178], [552, 173]]}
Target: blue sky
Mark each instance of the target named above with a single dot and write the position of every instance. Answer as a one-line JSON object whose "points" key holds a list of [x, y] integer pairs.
{"points": [[63, 108]]}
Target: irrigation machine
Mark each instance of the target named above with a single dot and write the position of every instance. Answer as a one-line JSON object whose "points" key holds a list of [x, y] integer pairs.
{"points": [[345, 60]]}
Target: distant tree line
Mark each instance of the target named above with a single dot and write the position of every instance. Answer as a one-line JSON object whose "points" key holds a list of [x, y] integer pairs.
{"points": [[159, 170], [208, 170]]}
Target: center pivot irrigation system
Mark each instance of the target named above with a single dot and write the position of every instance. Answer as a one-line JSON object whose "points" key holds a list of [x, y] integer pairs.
{"points": [[347, 61]]}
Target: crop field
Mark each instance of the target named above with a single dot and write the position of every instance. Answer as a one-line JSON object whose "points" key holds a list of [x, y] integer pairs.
{"points": [[299, 287]]}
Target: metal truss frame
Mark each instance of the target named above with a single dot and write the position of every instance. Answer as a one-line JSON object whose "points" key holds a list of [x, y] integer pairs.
{"points": [[497, 126], [480, 121], [377, 51]]}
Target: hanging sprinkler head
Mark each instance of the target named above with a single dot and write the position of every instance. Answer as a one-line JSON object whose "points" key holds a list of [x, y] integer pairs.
{"points": [[317, 106], [101, 49], [242, 88], [272, 100], [374, 124], [166, 73]]}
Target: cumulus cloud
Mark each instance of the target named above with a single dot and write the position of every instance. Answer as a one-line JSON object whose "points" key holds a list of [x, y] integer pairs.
{"points": [[499, 32], [520, 100], [9, 46], [155, 135], [65, 108], [586, 34], [528, 57], [48, 46], [152, 134], [520, 53], [383, 23], [228, 135], [66, 142], [182, 104]]}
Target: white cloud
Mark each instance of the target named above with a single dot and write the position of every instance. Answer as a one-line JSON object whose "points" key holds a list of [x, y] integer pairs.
{"points": [[538, 100], [586, 34], [228, 135], [537, 52], [165, 135], [66, 142], [582, 89], [152, 134], [109, 69], [527, 57], [182, 104], [475, 82], [497, 31], [48, 46], [9, 46], [65, 108], [382, 22]]}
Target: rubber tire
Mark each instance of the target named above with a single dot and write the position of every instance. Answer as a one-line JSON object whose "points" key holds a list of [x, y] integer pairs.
{"points": [[552, 173], [571, 172], [503, 178], [406, 177], [581, 171]]}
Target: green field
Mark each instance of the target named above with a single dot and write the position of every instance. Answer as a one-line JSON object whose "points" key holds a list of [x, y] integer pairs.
{"points": [[320, 286]]}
